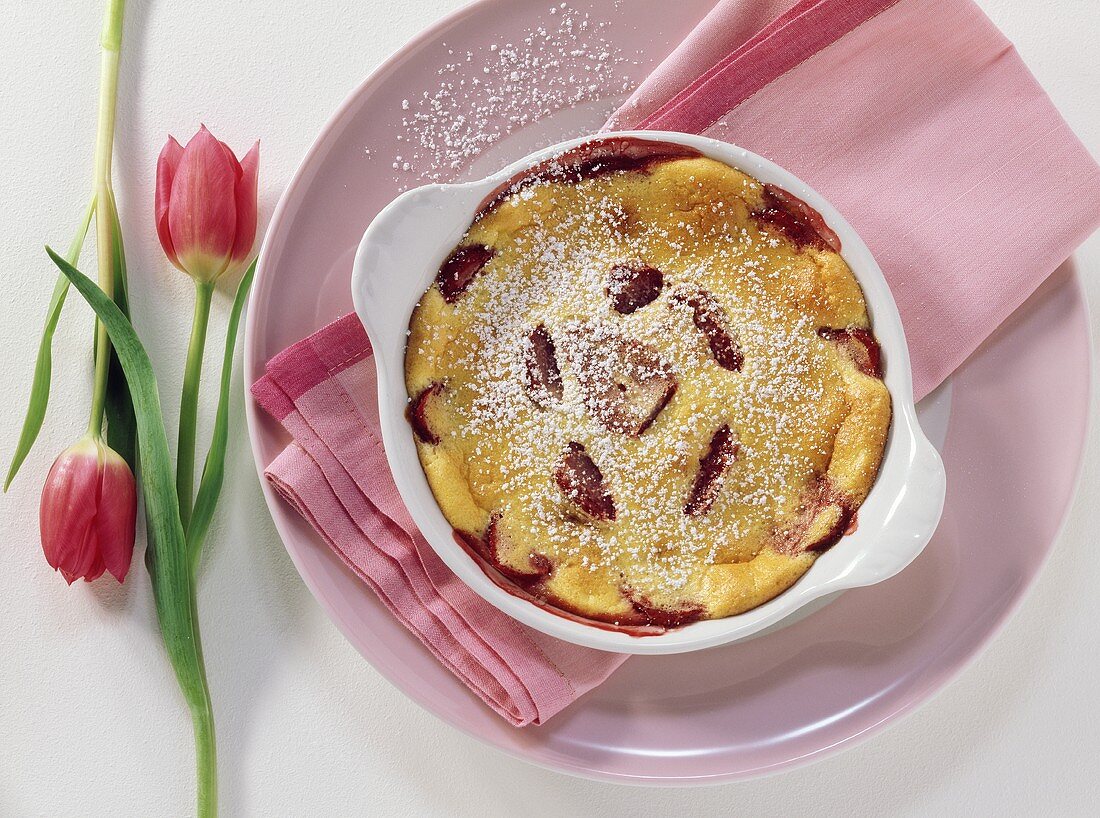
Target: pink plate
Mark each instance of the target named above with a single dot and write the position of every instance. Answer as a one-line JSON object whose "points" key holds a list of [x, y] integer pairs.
{"points": [[1012, 425]]}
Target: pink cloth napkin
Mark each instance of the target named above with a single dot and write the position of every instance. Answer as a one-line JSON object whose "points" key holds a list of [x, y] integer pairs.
{"points": [[919, 122], [915, 118], [322, 389]]}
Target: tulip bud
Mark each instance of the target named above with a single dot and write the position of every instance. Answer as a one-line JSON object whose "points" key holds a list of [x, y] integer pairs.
{"points": [[87, 513], [206, 205]]}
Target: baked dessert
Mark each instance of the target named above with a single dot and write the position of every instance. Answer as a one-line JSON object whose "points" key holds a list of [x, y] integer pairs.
{"points": [[644, 387]]}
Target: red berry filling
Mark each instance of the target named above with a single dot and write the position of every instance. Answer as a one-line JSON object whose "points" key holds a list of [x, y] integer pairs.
{"points": [[713, 465], [542, 378], [490, 547], [598, 157], [821, 498], [581, 481], [710, 318], [663, 617], [796, 220], [460, 269], [417, 413], [624, 383], [858, 344], [633, 286]]}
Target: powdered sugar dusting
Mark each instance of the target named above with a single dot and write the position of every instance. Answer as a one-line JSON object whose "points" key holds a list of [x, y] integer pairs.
{"points": [[541, 351], [563, 242], [483, 95]]}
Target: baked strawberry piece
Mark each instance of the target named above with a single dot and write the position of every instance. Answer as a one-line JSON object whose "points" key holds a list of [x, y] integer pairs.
{"points": [[460, 269], [582, 484], [542, 378], [719, 457], [632, 286], [417, 413], [859, 345], [789, 215], [713, 322], [625, 382]]}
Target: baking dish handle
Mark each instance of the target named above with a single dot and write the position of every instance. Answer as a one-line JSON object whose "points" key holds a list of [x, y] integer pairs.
{"points": [[410, 237]]}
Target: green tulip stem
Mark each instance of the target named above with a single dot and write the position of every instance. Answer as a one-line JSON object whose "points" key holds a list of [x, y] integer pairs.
{"points": [[202, 724], [189, 402], [105, 211], [166, 555]]}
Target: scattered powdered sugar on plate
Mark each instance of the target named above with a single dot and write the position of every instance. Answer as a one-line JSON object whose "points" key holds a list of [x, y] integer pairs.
{"points": [[566, 60]]}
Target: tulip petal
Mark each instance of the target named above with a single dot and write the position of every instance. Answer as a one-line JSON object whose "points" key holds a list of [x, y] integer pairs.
{"points": [[76, 557], [246, 205], [87, 512], [96, 569], [167, 164], [76, 554], [67, 510], [115, 518], [232, 157], [202, 211]]}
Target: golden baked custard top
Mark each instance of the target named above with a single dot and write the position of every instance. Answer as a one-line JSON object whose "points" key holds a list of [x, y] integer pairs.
{"points": [[644, 387]]}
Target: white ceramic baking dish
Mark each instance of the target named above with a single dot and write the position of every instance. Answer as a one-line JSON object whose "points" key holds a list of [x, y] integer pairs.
{"points": [[398, 259]]}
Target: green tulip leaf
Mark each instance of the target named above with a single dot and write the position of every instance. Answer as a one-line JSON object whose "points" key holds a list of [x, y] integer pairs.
{"points": [[43, 364], [213, 470], [121, 423], [166, 554]]}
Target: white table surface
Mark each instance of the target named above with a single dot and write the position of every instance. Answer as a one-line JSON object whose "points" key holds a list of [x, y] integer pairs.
{"points": [[91, 722]]}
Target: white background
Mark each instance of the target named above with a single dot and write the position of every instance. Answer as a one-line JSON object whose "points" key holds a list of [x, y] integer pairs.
{"points": [[90, 719]]}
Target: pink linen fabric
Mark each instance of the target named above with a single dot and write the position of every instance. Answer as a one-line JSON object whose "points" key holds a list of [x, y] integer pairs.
{"points": [[916, 118], [919, 122], [322, 390]]}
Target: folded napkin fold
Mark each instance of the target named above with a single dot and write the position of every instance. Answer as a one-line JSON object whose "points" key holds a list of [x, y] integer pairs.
{"points": [[322, 390], [916, 118]]}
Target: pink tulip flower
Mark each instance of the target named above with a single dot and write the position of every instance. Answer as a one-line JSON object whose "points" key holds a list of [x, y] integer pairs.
{"points": [[87, 513], [206, 205]]}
